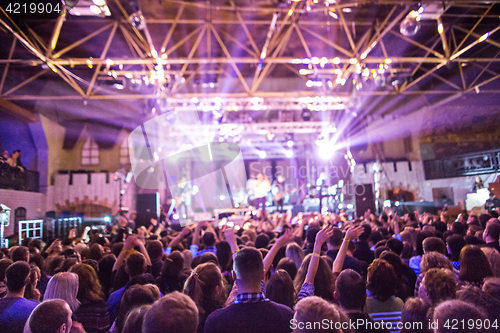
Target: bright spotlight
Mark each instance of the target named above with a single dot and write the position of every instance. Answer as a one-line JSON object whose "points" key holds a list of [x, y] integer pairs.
{"points": [[326, 150], [175, 216], [107, 219], [289, 143], [262, 154], [289, 153]]}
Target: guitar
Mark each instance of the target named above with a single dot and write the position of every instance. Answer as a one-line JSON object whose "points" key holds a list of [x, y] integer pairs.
{"points": [[179, 200]]}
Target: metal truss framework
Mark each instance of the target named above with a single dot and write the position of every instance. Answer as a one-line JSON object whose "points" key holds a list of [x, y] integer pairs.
{"points": [[292, 21]]}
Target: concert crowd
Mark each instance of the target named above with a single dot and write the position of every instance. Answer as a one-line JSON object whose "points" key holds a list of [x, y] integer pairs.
{"points": [[274, 273]]}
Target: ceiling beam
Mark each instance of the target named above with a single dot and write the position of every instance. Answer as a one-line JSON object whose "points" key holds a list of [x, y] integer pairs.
{"points": [[17, 111]]}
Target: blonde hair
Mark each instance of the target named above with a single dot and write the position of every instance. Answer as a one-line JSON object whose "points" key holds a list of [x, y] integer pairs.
{"points": [[315, 309], [63, 286], [295, 252]]}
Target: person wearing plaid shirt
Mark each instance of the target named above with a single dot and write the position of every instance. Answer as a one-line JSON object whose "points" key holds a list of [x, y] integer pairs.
{"points": [[251, 311]]}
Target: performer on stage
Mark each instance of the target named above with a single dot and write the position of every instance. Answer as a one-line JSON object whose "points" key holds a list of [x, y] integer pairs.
{"points": [[278, 192], [182, 196], [261, 188]]}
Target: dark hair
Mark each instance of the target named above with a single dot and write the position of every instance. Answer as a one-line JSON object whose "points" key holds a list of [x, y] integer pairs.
{"points": [[280, 288], [168, 280], [420, 239], [55, 309], [455, 243], [311, 235], [379, 251], [155, 249], [407, 250], [458, 228], [105, 271], [208, 239], [492, 229], [350, 288], [395, 245], [262, 241], [202, 285], [483, 219], [376, 237], [491, 286], [289, 266], [486, 302], [440, 284], [249, 266], [37, 259], [365, 236], [224, 256], [418, 311], [133, 297], [434, 244], [474, 265], [136, 264], [323, 281], [336, 237], [89, 287], [17, 276], [4, 264], [95, 252], [22, 253], [382, 280]]}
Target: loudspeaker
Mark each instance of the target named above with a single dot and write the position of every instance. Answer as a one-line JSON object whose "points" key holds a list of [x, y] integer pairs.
{"points": [[146, 209], [364, 199]]}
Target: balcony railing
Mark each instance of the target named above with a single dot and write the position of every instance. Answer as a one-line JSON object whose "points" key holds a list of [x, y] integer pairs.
{"points": [[13, 178]]}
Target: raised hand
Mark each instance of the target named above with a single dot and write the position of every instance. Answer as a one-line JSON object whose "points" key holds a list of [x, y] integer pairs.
{"points": [[323, 235], [354, 233], [130, 242], [285, 238]]}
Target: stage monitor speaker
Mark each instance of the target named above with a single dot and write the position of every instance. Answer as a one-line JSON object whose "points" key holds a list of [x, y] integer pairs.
{"points": [[365, 199], [146, 209]]}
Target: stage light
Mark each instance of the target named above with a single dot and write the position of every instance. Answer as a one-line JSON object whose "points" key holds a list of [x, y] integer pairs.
{"points": [[326, 150], [270, 136], [99, 2], [411, 24], [306, 115], [262, 154], [336, 60], [483, 37], [138, 20], [107, 219], [95, 9], [175, 216], [289, 143], [289, 153]]}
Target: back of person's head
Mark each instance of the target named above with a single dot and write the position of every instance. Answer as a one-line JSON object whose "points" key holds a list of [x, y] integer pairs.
{"points": [[420, 237], [457, 311], [280, 288], [474, 266], [395, 245], [494, 259], [380, 249], [350, 290], [434, 244], [172, 266], [262, 241], [52, 316], [407, 250], [89, 287], [296, 253], [64, 286], [323, 281], [455, 245], [434, 260], [249, 266], [135, 319], [316, 310], [376, 237], [395, 261], [206, 288], [21, 253], [224, 255], [209, 257], [483, 219], [415, 316], [458, 228], [492, 229], [311, 234], [105, 271], [4, 264], [440, 284], [208, 239], [381, 280], [17, 276], [155, 249], [491, 286], [135, 296], [288, 265], [95, 252], [173, 313], [336, 238], [367, 231], [135, 264], [483, 301]]}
